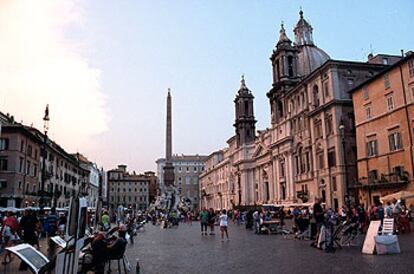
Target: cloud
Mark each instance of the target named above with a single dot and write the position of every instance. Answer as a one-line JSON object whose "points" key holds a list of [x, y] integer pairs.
{"points": [[40, 64]]}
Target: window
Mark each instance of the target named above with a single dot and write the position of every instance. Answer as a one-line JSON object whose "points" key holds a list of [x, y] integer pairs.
{"points": [[307, 159], [3, 163], [390, 102], [321, 163], [412, 92], [365, 93], [398, 171], [297, 165], [368, 111], [29, 150], [277, 70], [290, 66], [21, 164], [282, 169], [394, 140], [3, 184], [334, 184], [372, 148], [22, 146], [283, 190], [326, 88], [385, 61], [318, 129], [372, 175], [316, 96], [331, 157], [328, 125], [4, 143], [350, 82], [387, 80], [411, 67]]}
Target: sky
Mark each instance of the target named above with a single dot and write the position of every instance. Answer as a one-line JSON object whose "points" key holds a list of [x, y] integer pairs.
{"points": [[104, 67]]}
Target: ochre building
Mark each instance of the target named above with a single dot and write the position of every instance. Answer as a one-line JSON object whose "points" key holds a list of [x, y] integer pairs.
{"points": [[384, 117]]}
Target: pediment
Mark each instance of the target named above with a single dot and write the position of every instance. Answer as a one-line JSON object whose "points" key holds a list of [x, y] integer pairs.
{"points": [[259, 151]]}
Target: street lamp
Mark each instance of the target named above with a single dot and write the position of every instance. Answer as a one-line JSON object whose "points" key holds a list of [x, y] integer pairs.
{"points": [[46, 120], [347, 200]]}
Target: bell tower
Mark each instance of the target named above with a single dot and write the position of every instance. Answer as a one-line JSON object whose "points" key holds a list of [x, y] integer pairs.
{"points": [[284, 70], [244, 122]]}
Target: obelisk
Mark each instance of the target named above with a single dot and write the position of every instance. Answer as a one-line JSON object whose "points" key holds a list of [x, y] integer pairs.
{"points": [[168, 168]]}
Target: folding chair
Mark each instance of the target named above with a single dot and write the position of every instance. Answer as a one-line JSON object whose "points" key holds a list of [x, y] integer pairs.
{"points": [[388, 226]]}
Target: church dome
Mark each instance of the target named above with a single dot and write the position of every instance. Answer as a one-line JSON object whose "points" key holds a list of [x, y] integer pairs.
{"points": [[310, 57]]}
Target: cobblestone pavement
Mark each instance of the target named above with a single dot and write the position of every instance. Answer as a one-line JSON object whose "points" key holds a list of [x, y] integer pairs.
{"points": [[184, 250]]}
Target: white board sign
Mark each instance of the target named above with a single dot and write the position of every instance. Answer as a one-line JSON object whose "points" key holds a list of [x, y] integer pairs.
{"points": [[59, 241], [369, 242], [32, 257]]}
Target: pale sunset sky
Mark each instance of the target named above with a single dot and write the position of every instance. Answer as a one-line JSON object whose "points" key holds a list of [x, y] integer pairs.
{"points": [[104, 66]]}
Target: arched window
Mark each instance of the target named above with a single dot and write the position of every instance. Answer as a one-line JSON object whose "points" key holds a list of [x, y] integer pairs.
{"points": [[246, 108], [315, 95], [283, 190], [301, 161], [290, 66], [323, 196], [277, 74]]}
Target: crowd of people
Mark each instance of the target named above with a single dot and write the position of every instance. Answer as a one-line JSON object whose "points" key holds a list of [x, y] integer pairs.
{"points": [[29, 227], [312, 221], [316, 220]]}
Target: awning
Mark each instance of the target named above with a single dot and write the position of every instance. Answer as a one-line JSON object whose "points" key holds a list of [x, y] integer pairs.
{"points": [[401, 195]]}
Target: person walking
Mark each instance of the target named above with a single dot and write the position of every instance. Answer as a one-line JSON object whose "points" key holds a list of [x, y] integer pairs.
{"points": [[211, 220], [9, 234], [318, 215], [189, 218], [256, 220], [106, 223], [223, 225], [28, 224], [52, 222], [204, 221]]}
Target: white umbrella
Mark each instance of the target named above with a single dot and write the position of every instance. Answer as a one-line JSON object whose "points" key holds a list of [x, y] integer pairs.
{"points": [[401, 195]]}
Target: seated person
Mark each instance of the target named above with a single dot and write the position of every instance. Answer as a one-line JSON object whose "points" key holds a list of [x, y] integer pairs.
{"points": [[116, 248], [103, 249]]}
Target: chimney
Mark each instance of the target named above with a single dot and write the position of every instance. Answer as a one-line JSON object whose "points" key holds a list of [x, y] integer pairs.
{"points": [[370, 56], [402, 53]]}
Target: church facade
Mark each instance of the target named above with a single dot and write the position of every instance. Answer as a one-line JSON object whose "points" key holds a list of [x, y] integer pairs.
{"points": [[309, 150]]}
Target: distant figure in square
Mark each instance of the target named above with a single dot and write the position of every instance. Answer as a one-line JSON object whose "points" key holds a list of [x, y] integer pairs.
{"points": [[211, 220], [204, 221], [223, 224]]}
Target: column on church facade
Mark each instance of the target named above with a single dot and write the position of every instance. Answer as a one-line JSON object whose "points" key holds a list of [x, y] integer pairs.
{"points": [[290, 183]]}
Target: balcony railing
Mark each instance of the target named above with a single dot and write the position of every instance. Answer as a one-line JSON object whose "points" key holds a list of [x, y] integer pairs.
{"points": [[384, 181]]}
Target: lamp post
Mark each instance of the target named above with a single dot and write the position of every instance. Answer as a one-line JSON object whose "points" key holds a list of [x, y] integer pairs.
{"points": [[347, 200], [46, 120]]}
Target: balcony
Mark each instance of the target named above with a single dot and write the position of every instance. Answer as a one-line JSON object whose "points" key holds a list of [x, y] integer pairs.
{"points": [[391, 180]]}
